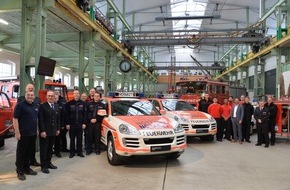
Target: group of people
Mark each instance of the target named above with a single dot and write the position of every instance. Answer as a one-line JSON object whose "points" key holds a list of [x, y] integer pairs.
{"points": [[51, 121], [234, 119]]}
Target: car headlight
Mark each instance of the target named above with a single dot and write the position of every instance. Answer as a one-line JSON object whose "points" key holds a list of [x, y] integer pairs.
{"points": [[211, 119], [7, 123], [184, 120], [178, 129], [128, 130], [176, 118]]}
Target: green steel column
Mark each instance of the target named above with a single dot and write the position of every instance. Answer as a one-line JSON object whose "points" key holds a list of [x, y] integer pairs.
{"points": [[138, 79], [92, 10], [113, 70], [279, 23], [40, 39], [26, 45], [91, 61], [278, 73], [259, 78], [81, 71], [107, 85]]}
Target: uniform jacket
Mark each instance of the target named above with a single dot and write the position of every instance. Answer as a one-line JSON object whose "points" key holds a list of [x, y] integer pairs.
{"points": [[239, 113], [93, 108], [263, 115], [203, 105], [272, 113], [248, 112], [75, 112], [49, 121]]}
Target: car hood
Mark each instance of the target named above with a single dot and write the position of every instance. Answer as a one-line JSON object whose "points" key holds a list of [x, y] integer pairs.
{"points": [[191, 114], [147, 122]]}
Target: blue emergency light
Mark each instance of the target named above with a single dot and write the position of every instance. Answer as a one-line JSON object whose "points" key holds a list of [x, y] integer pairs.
{"points": [[126, 95]]}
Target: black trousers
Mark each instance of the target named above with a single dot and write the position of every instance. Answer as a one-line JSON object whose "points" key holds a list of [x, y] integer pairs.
{"points": [[263, 134], [45, 146], [94, 136], [273, 133], [246, 126], [25, 148], [63, 141], [76, 134], [220, 129], [227, 125]]}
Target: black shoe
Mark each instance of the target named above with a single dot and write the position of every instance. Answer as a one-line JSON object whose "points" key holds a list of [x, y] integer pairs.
{"points": [[248, 141], [88, 152], [58, 155], [45, 170], [71, 155], [98, 152], [81, 155], [258, 144], [30, 172], [64, 150], [35, 164], [51, 166], [21, 176], [266, 146]]}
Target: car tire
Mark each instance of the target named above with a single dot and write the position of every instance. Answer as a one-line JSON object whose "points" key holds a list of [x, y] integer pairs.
{"points": [[113, 157], [207, 138], [173, 156], [2, 143]]}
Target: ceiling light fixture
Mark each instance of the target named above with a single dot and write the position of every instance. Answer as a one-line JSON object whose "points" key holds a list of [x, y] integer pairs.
{"points": [[119, 73], [98, 77], [188, 17], [3, 21], [86, 58]]}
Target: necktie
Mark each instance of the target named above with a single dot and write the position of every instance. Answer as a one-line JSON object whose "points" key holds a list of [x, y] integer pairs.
{"points": [[51, 105]]}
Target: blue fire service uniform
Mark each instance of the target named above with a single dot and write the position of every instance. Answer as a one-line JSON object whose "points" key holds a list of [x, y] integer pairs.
{"points": [[75, 117], [94, 129]]}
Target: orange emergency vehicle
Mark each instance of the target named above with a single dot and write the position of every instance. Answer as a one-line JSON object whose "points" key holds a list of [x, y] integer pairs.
{"points": [[6, 125], [282, 118], [133, 127], [195, 123]]}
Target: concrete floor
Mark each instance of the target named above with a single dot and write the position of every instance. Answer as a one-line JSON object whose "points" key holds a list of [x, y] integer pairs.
{"points": [[203, 166]]}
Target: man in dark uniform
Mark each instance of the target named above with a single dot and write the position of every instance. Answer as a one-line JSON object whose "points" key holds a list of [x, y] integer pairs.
{"points": [[204, 103], [25, 125], [261, 116], [36, 101], [95, 124], [246, 124], [60, 143], [75, 123], [48, 129], [272, 119]]}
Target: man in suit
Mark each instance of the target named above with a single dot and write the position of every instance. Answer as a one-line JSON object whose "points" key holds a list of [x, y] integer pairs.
{"points": [[48, 129], [261, 116], [237, 115], [248, 113]]}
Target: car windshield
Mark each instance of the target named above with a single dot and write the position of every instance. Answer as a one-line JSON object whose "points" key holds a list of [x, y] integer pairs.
{"points": [[133, 107], [176, 105], [4, 102]]}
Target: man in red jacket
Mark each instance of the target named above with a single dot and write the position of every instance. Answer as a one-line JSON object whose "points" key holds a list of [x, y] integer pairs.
{"points": [[226, 119], [215, 110]]}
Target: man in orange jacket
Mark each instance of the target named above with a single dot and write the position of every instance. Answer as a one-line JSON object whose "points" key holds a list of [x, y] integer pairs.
{"points": [[215, 110]]}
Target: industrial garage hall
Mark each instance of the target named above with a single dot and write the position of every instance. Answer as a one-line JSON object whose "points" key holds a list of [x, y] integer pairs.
{"points": [[149, 95]]}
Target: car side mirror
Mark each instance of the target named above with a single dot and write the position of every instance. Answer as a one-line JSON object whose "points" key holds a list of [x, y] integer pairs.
{"points": [[163, 112], [102, 112]]}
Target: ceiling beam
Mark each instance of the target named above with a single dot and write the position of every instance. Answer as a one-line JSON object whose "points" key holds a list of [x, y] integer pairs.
{"points": [[13, 5], [185, 68], [186, 41]]}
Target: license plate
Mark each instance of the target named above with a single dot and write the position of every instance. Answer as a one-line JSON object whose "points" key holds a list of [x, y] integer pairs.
{"points": [[201, 130], [160, 148]]}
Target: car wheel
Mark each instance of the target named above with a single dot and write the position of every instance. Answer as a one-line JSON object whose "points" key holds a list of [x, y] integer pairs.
{"points": [[113, 157], [2, 143], [173, 155], [207, 138]]}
